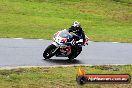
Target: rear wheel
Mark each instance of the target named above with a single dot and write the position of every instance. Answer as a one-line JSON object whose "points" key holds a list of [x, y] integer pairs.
{"points": [[75, 52], [71, 57], [49, 51], [78, 51]]}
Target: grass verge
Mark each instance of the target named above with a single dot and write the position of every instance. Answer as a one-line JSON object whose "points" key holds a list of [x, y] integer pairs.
{"points": [[103, 20], [59, 77]]}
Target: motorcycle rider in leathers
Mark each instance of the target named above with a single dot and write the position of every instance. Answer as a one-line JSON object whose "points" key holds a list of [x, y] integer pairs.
{"points": [[79, 35]]}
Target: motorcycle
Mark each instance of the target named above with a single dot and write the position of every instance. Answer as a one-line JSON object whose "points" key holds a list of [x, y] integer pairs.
{"points": [[65, 44]]}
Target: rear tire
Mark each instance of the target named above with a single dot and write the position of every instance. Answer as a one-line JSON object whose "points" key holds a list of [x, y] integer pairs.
{"points": [[49, 51], [75, 52], [71, 57], [78, 51]]}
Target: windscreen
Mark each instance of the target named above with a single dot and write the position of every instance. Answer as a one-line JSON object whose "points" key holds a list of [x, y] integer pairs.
{"points": [[65, 34]]}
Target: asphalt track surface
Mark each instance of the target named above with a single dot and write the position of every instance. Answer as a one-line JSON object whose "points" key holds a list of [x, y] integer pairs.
{"points": [[28, 52]]}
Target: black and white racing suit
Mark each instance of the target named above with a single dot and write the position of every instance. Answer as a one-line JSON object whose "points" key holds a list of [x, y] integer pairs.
{"points": [[78, 35]]}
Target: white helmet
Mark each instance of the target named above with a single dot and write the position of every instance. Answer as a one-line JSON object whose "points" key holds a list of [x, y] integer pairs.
{"points": [[76, 24]]}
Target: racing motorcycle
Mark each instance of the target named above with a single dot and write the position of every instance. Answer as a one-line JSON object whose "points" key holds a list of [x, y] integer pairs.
{"points": [[65, 44]]}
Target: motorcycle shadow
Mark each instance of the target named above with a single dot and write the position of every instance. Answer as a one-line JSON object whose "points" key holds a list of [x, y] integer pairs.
{"points": [[63, 61]]}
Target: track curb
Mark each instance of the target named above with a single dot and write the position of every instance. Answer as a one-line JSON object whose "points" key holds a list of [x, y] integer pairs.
{"points": [[77, 65]]}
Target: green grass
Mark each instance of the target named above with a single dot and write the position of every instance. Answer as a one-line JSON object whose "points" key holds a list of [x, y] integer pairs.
{"points": [[102, 20], [59, 77]]}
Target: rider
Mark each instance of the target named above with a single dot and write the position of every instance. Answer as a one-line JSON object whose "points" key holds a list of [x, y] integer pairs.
{"points": [[79, 35], [76, 28]]}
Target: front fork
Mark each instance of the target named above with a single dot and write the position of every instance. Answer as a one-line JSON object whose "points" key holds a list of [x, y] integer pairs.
{"points": [[54, 43], [57, 47]]}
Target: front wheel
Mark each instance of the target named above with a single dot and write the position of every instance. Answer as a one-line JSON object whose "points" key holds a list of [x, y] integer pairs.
{"points": [[49, 51]]}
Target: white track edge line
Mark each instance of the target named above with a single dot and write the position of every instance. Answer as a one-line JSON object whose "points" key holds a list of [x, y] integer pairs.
{"points": [[18, 38]]}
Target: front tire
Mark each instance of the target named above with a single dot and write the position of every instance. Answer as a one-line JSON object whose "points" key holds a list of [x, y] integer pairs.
{"points": [[49, 51]]}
